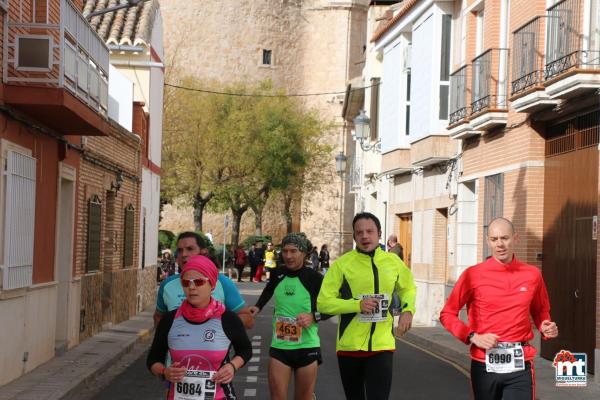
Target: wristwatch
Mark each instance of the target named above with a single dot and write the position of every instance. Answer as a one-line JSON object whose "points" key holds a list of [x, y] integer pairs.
{"points": [[317, 316], [470, 337]]}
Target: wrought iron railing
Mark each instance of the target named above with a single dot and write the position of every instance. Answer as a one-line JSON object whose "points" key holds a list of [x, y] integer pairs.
{"points": [[564, 40], [489, 80], [458, 95], [528, 56], [584, 59]]}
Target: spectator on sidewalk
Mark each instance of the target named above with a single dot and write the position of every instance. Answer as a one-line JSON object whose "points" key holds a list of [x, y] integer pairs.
{"points": [[240, 261], [314, 258], [501, 294], [257, 262], [171, 294], [324, 259], [270, 263], [395, 247]]}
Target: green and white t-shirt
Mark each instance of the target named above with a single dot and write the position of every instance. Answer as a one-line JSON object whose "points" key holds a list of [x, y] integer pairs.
{"points": [[295, 293]]}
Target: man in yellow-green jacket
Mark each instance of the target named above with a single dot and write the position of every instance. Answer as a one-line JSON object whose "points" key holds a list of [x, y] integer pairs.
{"points": [[359, 287]]}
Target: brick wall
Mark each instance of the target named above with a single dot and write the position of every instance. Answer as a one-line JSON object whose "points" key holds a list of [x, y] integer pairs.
{"points": [[440, 251], [517, 150], [147, 288], [91, 305], [109, 294]]}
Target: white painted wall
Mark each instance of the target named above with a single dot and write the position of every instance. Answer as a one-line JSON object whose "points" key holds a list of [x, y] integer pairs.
{"points": [[402, 190], [120, 98], [31, 318], [466, 229], [423, 79], [389, 127], [150, 208], [156, 94]]}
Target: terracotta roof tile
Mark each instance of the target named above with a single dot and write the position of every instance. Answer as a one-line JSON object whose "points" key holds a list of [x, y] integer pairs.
{"points": [[128, 26], [408, 4]]}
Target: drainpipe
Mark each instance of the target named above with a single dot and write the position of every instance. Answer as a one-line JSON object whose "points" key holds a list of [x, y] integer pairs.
{"points": [[385, 232]]}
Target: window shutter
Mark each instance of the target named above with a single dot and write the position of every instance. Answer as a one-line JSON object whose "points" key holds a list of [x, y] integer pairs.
{"points": [[19, 221], [129, 228], [94, 234]]}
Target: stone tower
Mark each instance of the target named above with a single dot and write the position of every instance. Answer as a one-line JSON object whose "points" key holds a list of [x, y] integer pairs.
{"points": [[315, 46]]}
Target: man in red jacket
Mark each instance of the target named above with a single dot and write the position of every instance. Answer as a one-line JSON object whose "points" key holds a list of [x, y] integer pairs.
{"points": [[500, 293]]}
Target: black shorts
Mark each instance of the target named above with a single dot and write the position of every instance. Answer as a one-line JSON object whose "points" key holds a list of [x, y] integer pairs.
{"points": [[518, 385], [297, 358]]}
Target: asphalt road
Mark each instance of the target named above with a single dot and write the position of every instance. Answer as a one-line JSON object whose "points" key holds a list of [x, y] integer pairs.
{"points": [[417, 374]]}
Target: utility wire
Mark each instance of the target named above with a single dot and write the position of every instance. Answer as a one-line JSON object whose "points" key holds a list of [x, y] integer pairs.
{"points": [[264, 95]]}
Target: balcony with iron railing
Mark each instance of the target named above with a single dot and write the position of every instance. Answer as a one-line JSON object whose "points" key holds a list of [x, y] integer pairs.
{"points": [[460, 107], [527, 81], [572, 65], [488, 89], [57, 70], [458, 96]]}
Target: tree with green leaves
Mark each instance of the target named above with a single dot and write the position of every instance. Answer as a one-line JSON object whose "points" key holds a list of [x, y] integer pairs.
{"points": [[233, 152]]}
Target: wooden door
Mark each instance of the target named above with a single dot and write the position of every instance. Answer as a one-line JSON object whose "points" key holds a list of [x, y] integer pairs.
{"points": [[405, 237], [569, 247]]}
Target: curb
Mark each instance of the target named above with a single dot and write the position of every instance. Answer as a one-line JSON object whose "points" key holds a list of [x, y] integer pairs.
{"points": [[141, 335], [62, 376], [462, 360]]}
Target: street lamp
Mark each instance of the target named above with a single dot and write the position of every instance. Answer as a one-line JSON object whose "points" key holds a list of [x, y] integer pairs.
{"points": [[362, 132], [340, 163]]}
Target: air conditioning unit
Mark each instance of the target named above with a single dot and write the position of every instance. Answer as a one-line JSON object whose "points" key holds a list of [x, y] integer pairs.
{"points": [[34, 53]]}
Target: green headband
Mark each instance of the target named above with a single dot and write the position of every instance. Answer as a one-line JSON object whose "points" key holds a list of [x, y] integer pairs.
{"points": [[297, 239]]}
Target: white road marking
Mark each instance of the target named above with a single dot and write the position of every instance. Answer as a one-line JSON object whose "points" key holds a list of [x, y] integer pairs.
{"points": [[253, 368], [256, 337], [251, 379], [255, 351], [249, 392], [255, 359], [255, 344]]}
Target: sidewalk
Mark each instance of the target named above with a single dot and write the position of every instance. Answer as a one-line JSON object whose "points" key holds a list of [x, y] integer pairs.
{"points": [[439, 342], [63, 374]]}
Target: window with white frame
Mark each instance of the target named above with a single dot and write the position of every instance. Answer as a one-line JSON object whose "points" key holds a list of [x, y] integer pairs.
{"points": [[595, 28], [493, 205], [19, 219], [445, 66], [479, 32]]}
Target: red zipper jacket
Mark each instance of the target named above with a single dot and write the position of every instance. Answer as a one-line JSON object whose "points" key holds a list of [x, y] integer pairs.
{"points": [[499, 298]]}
